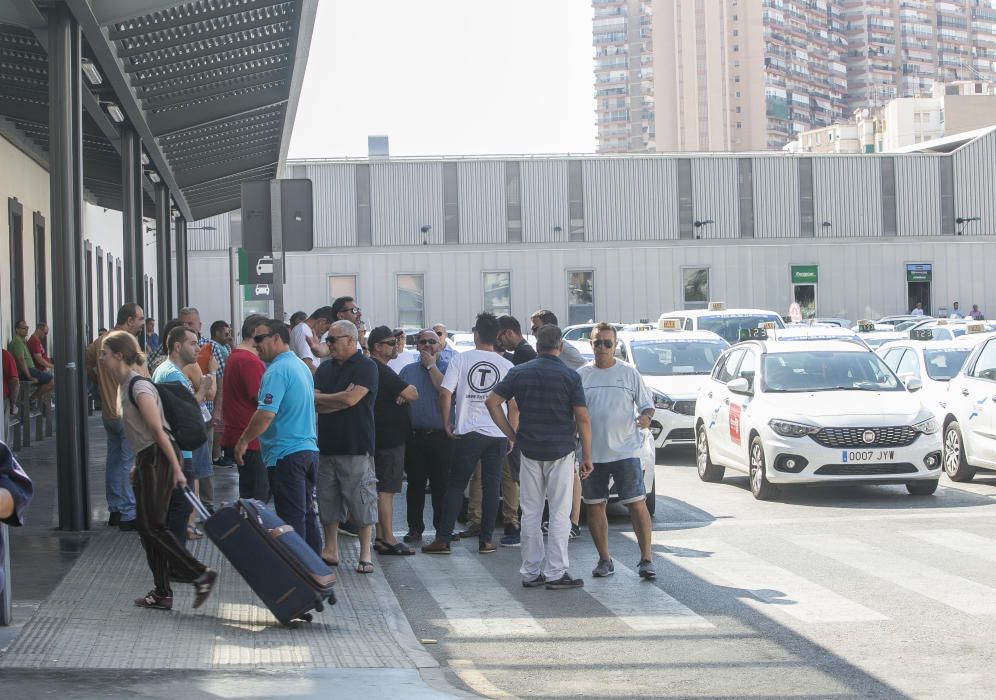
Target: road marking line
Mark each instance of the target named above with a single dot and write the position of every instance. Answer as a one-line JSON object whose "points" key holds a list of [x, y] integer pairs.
{"points": [[960, 541], [776, 588], [641, 606], [954, 591], [475, 604], [476, 680]]}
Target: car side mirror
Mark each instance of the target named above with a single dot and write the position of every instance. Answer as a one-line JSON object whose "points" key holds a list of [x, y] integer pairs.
{"points": [[912, 383], [740, 385]]}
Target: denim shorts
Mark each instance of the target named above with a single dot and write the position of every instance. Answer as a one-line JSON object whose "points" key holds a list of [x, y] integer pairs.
{"points": [[628, 477], [40, 376]]}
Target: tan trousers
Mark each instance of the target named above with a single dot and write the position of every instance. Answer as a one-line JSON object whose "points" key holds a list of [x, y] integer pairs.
{"points": [[509, 493]]}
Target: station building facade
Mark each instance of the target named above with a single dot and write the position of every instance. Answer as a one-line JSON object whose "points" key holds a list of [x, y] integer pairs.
{"points": [[627, 237]]}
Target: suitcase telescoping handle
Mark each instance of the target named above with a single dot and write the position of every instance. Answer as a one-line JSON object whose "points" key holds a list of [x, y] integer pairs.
{"points": [[196, 503]]}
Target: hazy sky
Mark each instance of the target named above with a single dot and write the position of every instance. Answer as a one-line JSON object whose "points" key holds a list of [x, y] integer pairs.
{"points": [[448, 77]]}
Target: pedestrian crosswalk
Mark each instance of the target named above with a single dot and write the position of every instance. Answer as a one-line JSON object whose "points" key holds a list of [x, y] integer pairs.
{"points": [[479, 598]]}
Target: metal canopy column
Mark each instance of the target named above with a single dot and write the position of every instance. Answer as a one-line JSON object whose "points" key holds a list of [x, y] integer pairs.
{"points": [[163, 262], [66, 201], [131, 216], [182, 286]]}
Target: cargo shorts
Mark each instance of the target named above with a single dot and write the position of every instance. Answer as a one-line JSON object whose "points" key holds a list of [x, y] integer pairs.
{"points": [[347, 485]]}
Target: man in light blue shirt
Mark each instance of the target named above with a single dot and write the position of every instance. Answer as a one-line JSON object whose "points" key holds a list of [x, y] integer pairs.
{"points": [[284, 422]]}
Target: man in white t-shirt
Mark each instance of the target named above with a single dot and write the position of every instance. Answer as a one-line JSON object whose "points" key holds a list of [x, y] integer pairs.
{"points": [[469, 379], [306, 337], [620, 406]]}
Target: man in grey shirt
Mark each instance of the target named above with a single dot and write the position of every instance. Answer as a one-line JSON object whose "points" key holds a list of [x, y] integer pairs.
{"points": [[620, 406]]}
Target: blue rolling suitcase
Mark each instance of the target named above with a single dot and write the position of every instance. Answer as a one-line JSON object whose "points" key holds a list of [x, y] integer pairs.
{"points": [[276, 562]]}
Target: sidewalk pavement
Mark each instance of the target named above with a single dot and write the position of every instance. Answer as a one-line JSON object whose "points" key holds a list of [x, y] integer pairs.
{"points": [[76, 591]]}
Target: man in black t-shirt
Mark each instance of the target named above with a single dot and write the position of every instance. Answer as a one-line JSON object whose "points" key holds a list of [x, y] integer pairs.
{"points": [[345, 392], [392, 427]]}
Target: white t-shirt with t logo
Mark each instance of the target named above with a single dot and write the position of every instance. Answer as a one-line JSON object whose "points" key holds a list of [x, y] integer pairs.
{"points": [[471, 376]]}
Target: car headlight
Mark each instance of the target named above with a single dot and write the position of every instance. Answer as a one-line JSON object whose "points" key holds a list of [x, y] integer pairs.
{"points": [[662, 400], [927, 427], [787, 428]]}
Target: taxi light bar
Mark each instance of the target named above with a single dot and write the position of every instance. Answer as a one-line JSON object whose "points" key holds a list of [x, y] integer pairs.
{"points": [[866, 326], [717, 306], [768, 325], [922, 334], [975, 327], [753, 334], [669, 324], [942, 322]]}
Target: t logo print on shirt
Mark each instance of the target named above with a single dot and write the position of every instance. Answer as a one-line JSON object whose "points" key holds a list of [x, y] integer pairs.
{"points": [[482, 377]]}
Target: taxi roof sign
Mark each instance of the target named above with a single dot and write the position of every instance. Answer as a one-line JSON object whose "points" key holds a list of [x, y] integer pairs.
{"points": [[753, 334], [942, 322], [866, 326], [717, 306], [975, 327], [669, 324], [922, 334], [768, 325]]}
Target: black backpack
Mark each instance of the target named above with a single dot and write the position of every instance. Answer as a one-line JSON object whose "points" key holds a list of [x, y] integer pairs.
{"points": [[181, 411]]}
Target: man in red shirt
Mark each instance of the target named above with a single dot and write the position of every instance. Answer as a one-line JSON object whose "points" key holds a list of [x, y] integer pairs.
{"points": [[243, 374], [11, 382], [36, 347]]}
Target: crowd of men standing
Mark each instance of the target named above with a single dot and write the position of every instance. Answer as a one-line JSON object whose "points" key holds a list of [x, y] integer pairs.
{"points": [[330, 421]]}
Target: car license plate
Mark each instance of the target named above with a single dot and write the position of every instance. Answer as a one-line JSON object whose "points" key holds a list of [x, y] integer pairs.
{"points": [[867, 455]]}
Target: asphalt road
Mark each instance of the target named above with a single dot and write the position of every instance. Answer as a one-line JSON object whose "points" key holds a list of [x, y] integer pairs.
{"points": [[831, 592]]}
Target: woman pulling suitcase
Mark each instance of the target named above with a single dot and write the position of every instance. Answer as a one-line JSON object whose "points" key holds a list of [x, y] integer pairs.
{"points": [[156, 473]]}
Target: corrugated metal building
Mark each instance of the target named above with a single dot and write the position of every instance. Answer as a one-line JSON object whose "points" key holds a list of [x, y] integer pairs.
{"points": [[627, 237]]}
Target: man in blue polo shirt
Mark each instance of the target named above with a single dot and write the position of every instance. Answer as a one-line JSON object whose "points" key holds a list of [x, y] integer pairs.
{"points": [[284, 422], [552, 412]]}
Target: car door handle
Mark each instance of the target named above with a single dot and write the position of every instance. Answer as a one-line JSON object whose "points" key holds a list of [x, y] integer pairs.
{"points": [[964, 392]]}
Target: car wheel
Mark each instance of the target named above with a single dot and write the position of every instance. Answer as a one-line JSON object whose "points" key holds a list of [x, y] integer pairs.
{"points": [[707, 470], [652, 498], [956, 465], [762, 489]]}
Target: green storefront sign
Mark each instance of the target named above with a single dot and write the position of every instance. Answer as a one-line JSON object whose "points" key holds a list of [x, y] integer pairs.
{"points": [[919, 272], [805, 274]]}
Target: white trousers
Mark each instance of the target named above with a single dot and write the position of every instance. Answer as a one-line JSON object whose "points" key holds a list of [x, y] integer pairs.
{"points": [[552, 481]]}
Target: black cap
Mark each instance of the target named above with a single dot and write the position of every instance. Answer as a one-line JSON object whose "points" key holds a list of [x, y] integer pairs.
{"points": [[379, 334]]}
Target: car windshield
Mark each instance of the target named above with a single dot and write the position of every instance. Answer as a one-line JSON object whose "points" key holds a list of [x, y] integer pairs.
{"points": [[942, 365], [728, 326], [665, 358], [827, 370]]}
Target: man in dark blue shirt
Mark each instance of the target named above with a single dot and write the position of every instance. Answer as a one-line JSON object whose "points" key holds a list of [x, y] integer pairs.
{"points": [[427, 453], [552, 412], [345, 393]]}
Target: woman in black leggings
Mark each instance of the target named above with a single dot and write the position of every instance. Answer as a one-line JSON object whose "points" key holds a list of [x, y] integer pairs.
{"points": [[157, 472]]}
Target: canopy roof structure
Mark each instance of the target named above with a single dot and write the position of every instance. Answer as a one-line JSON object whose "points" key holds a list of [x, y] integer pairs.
{"points": [[210, 86]]}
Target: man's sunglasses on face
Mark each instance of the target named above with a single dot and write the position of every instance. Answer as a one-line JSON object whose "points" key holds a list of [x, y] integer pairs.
{"points": [[392, 342], [261, 337], [427, 341], [603, 343], [332, 338], [353, 310]]}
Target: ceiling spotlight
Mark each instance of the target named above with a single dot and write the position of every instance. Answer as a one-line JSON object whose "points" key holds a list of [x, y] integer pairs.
{"points": [[89, 69], [703, 222], [153, 175], [558, 229], [826, 224], [114, 112], [425, 233]]}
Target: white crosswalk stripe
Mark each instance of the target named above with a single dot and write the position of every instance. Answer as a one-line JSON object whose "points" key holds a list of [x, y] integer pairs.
{"points": [[960, 541], [954, 591], [775, 590], [475, 604], [641, 606]]}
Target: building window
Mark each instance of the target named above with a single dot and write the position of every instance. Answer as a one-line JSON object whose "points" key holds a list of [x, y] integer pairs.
{"points": [[497, 293], [411, 301], [342, 286], [88, 333], [111, 309], [513, 202], [15, 227], [888, 170], [120, 278], [41, 283], [364, 227], [100, 288], [451, 203], [575, 189], [695, 287], [580, 296], [807, 217], [745, 186]]}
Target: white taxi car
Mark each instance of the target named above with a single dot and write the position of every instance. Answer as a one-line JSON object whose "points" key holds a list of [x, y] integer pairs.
{"points": [[810, 332], [724, 322], [813, 412], [674, 365], [927, 365], [970, 418]]}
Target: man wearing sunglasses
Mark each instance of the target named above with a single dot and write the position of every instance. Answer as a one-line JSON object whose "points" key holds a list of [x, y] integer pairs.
{"points": [[345, 390], [284, 422], [345, 309], [391, 427], [427, 452], [621, 407]]}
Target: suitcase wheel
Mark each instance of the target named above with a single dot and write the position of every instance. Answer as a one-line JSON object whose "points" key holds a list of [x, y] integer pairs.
{"points": [[306, 617], [318, 605], [332, 600]]}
